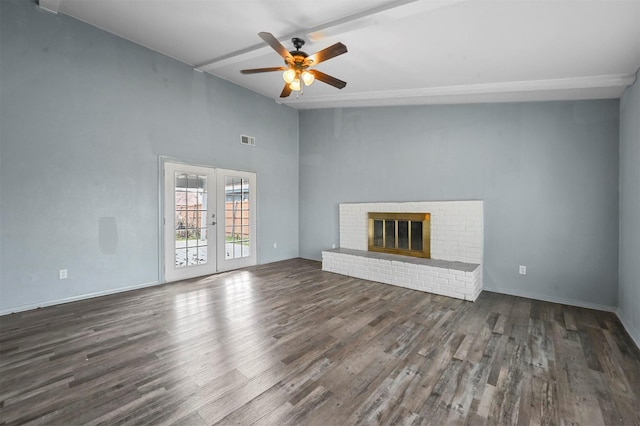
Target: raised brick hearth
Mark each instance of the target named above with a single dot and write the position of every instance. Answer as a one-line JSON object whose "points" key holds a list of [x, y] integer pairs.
{"points": [[455, 268]]}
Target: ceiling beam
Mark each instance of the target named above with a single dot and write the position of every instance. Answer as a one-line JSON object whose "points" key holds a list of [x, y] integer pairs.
{"points": [[374, 16], [49, 5]]}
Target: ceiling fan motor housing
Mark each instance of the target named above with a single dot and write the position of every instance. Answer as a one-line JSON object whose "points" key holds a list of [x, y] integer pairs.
{"points": [[298, 55]]}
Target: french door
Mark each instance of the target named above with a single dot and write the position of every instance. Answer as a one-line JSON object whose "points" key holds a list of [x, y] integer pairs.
{"points": [[209, 220]]}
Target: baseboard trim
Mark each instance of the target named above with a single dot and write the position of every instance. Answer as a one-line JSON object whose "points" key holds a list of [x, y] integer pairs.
{"points": [[563, 301], [29, 307], [633, 332]]}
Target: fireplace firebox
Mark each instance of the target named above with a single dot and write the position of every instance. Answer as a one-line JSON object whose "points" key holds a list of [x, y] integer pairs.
{"points": [[407, 234]]}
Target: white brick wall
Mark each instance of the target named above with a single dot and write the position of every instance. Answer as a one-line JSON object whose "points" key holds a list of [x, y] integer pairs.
{"points": [[446, 281], [456, 226]]}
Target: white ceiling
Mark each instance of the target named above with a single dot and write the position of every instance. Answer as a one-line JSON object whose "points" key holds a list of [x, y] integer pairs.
{"points": [[401, 52]]}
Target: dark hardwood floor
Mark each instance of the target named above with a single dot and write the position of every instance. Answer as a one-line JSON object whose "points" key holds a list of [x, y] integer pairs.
{"points": [[286, 343]]}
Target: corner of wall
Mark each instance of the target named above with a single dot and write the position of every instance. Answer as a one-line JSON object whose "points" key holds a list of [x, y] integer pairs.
{"points": [[629, 209], [632, 329]]}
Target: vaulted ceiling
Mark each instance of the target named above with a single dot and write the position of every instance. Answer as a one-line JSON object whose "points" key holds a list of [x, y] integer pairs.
{"points": [[400, 52]]}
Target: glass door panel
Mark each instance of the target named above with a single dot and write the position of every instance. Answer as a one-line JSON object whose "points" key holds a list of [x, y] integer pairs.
{"points": [[237, 217], [191, 244], [238, 212]]}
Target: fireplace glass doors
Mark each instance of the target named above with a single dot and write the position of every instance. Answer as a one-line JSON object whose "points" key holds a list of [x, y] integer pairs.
{"points": [[407, 234]]}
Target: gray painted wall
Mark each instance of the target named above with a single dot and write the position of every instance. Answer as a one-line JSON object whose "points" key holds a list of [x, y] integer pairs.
{"points": [[85, 116], [629, 292], [547, 172]]}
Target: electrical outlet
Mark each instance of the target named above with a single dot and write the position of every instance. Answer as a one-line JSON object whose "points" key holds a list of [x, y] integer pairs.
{"points": [[333, 246], [62, 274], [275, 245], [523, 270]]}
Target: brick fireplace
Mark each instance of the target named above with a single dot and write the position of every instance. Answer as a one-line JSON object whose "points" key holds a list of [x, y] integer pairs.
{"points": [[456, 248]]}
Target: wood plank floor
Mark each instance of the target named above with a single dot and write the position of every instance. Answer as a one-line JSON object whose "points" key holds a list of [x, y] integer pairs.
{"points": [[286, 343]]}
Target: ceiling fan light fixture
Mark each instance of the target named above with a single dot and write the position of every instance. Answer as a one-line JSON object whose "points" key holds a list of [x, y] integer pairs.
{"points": [[295, 84], [295, 71], [308, 78], [289, 75]]}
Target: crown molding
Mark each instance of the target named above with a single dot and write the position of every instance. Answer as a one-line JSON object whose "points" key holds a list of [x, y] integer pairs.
{"points": [[592, 87]]}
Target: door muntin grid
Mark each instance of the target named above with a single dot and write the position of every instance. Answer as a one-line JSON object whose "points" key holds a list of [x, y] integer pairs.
{"points": [[191, 232]]}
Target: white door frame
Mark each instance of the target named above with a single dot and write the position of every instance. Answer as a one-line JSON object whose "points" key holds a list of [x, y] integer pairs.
{"points": [[222, 264]]}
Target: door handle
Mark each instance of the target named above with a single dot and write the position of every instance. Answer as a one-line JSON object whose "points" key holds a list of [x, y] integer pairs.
{"points": [[213, 223]]}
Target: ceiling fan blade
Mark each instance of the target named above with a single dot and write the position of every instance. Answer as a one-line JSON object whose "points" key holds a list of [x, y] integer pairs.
{"points": [[326, 78], [275, 44], [258, 70], [286, 91], [328, 53]]}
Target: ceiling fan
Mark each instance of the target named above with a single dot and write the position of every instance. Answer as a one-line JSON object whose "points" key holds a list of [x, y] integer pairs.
{"points": [[297, 72]]}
